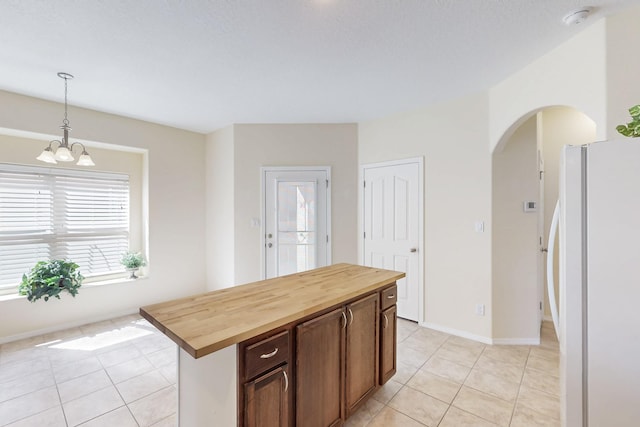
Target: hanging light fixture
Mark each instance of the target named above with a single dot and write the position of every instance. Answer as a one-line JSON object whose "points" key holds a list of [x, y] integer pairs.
{"points": [[64, 151]]}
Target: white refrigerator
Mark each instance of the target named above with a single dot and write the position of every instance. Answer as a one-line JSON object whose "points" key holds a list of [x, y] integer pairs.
{"points": [[600, 284]]}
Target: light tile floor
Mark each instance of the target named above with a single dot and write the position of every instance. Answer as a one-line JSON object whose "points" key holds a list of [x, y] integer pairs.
{"points": [[116, 373], [447, 381], [122, 372]]}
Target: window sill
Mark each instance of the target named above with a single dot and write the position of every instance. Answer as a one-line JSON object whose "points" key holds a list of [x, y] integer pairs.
{"points": [[10, 297]]}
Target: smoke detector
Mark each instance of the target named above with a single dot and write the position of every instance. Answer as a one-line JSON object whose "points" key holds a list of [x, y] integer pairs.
{"points": [[577, 16]]}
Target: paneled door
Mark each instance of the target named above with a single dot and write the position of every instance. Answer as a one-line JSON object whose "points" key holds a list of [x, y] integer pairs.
{"points": [[296, 220], [392, 219]]}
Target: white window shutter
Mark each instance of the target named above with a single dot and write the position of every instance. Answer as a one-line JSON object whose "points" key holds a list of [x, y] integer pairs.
{"points": [[48, 213]]}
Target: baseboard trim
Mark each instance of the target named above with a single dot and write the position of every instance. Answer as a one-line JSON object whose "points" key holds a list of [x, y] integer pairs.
{"points": [[68, 325], [456, 332], [516, 341]]}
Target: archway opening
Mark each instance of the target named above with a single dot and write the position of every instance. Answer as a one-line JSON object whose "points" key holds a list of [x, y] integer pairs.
{"points": [[524, 193]]}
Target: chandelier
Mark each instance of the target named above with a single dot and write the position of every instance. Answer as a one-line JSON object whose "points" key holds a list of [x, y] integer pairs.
{"points": [[64, 150]]}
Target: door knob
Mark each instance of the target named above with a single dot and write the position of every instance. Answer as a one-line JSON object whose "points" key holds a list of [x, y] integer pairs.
{"points": [[413, 250]]}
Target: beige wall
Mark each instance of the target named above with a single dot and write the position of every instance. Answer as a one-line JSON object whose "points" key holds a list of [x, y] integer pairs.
{"points": [[256, 146], [453, 139], [220, 198], [176, 214], [623, 69], [574, 74], [515, 246]]}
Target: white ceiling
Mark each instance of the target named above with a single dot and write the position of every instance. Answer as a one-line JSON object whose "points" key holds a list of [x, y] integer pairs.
{"points": [[201, 65]]}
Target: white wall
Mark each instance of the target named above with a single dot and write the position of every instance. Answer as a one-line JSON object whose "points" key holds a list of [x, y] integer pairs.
{"points": [[176, 189], [574, 74], [220, 198], [515, 233], [453, 139], [255, 146]]}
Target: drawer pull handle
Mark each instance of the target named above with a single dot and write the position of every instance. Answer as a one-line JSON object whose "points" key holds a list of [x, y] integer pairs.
{"points": [[386, 321], [286, 381], [391, 296], [350, 316], [344, 317], [268, 355]]}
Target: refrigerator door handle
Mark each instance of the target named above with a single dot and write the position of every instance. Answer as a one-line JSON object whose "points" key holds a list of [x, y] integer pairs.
{"points": [[553, 230]]}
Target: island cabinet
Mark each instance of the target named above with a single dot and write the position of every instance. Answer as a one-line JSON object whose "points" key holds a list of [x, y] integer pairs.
{"points": [[361, 351], [388, 333], [267, 395], [337, 363], [305, 350], [320, 370]]}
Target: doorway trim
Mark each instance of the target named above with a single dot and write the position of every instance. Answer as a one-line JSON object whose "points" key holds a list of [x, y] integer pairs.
{"points": [[263, 206], [421, 262]]}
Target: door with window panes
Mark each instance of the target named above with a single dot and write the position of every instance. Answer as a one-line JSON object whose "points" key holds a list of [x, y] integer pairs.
{"points": [[296, 218]]}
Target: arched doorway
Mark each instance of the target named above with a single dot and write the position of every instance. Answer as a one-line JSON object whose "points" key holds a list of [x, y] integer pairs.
{"points": [[524, 193]]}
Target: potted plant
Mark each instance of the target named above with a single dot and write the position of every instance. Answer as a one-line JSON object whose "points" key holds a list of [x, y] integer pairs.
{"points": [[631, 129], [132, 261], [49, 278]]}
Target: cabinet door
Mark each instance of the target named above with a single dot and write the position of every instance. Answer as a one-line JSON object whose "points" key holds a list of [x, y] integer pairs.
{"points": [[267, 399], [388, 328], [361, 350], [320, 370]]}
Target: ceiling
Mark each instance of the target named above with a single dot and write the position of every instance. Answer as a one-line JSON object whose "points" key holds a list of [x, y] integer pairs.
{"points": [[204, 64]]}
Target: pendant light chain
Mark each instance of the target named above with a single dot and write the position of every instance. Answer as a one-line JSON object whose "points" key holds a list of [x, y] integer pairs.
{"points": [[65, 121]]}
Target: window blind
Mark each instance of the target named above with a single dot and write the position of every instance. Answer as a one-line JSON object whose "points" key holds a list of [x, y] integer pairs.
{"points": [[48, 213]]}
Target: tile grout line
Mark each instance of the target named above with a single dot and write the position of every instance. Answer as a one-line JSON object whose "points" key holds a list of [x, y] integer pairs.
{"points": [[515, 402]]}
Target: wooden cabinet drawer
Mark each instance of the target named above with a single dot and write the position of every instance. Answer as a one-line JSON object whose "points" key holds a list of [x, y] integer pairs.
{"points": [[265, 354], [388, 297]]}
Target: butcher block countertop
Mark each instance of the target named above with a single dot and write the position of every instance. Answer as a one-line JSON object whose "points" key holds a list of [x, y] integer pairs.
{"points": [[202, 324]]}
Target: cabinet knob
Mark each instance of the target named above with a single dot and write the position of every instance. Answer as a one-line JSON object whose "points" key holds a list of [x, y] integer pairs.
{"points": [[350, 316], [386, 321], [413, 250], [286, 381], [344, 317]]}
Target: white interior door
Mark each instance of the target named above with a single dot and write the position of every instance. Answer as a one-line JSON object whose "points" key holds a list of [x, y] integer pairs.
{"points": [[393, 227], [296, 220]]}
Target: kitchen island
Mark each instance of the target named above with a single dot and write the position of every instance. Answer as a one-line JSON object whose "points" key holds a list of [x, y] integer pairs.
{"points": [[305, 349]]}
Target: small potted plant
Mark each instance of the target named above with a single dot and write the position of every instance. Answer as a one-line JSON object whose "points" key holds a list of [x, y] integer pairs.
{"points": [[631, 129], [132, 261], [49, 278]]}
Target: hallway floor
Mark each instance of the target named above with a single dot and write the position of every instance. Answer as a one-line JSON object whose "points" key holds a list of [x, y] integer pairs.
{"points": [[122, 372]]}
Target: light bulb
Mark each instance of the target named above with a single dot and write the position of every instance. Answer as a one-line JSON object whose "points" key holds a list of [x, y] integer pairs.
{"points": [[47, 156], [85, 160], [63, 154]]}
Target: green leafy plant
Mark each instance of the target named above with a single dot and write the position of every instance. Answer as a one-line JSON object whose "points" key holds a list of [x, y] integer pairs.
{"points": [[631, 129], [49, 278], [132, 259]]}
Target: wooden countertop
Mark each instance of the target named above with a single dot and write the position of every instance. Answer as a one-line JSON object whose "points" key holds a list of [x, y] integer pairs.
{"points": [[204, 323]]}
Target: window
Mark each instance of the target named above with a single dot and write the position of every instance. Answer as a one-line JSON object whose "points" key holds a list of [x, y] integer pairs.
{"points": [[50, 213]]}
